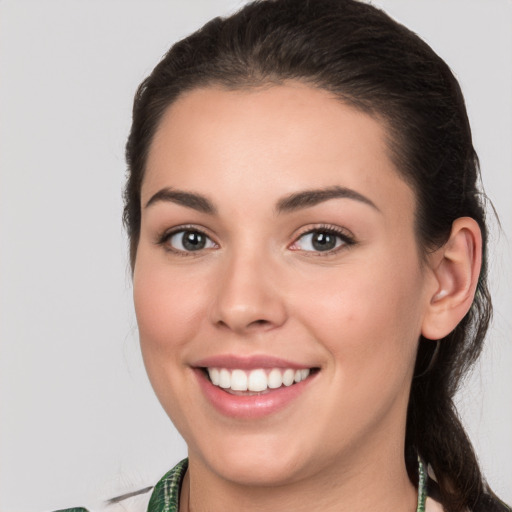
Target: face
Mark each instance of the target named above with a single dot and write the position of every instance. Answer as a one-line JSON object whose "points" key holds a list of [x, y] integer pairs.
{"points": [[278, 286]]}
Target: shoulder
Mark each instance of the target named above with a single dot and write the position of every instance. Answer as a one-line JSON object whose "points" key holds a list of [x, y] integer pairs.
{"points": [[136, 501], [164, 498]]}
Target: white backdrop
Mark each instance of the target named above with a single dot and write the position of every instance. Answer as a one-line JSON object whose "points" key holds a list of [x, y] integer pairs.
{"points": [[78, 419]]}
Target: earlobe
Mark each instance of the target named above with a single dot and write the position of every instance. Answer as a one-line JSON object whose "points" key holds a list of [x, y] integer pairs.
{"points": [[456, 268]]}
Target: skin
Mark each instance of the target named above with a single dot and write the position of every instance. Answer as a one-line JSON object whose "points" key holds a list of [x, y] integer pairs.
{"points": [[356, 312]]}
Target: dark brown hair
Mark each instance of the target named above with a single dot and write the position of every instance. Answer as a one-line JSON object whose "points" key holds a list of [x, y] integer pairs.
{"points": [[380, 67]]}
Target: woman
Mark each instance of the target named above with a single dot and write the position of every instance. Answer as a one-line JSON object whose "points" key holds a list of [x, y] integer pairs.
{"points": [[308, 246]]}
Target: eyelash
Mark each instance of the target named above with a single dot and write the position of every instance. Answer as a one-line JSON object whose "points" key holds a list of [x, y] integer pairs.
{"points": [[164, 238], [345, 236]]}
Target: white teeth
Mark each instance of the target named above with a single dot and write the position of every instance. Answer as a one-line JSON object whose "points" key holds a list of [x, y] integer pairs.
{"points": [[288, 377], [256, 380], [238, 380], [214, 376], [275, 379], [225, 379]]}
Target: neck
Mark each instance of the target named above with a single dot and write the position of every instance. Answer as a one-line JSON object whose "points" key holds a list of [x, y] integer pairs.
{"points": [[375, 484]]}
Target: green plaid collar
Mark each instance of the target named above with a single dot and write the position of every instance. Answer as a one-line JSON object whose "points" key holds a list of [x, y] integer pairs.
{"points": [[165, 497], [166, 494]]}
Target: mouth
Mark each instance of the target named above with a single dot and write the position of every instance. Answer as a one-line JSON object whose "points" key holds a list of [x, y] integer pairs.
{"points": [[251, 387], [245, 382]]}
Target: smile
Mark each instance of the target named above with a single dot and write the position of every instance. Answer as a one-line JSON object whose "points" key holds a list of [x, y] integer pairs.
{"points": [[253, 387], [257, 380]]}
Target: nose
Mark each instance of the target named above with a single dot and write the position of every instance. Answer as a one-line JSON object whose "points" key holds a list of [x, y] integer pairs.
{"points": [[249, 298]]}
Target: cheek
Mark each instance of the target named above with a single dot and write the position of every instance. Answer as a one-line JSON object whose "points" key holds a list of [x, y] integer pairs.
{"points": [[370, 314], [169, 307], [170, 313]]}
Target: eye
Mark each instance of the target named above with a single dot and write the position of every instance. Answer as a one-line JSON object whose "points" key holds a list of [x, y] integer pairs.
{"points": [[321, 240], [188, 240]]}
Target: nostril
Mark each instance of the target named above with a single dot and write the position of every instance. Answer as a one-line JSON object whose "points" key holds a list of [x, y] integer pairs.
{"points": [[223, 324], [255, 324], [259, 322]]}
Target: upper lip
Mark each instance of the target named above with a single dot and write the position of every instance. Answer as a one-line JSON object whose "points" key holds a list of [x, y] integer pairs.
{"points": [[231, 361]]}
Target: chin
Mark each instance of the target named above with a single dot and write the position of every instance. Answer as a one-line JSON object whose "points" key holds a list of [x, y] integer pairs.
{"points": [[258, 472], [257, 462]]}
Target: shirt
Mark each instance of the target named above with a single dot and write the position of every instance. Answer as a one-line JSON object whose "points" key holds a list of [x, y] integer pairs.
{"points": [[166, 493]]}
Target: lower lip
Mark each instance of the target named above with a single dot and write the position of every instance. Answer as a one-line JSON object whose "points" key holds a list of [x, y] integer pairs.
{"points": [[250, 406]]}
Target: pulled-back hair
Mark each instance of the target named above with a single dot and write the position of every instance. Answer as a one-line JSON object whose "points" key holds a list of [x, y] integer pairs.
{"points": [[378, 66]]}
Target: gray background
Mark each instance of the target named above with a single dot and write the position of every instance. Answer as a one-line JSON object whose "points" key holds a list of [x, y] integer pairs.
{"points": [[78, 418]]}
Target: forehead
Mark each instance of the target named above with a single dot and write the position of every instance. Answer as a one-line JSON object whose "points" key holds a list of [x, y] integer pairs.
{"points": [[282, 138]]}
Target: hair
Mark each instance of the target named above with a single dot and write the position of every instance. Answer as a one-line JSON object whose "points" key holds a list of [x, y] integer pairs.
{"points": [[371, 62]]}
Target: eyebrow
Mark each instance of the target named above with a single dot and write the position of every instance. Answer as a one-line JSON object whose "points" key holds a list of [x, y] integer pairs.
{"points": [[290, 203], [309, 198], [187, 199]]}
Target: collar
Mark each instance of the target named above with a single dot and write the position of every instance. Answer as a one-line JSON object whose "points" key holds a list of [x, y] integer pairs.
{"points": [[165, 496]]}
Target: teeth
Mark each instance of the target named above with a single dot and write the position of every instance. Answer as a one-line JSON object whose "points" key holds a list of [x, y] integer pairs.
{"points": [[288, 377], [256, 380], [238, 380], [225, 379], [275, 379], [214, 376]]}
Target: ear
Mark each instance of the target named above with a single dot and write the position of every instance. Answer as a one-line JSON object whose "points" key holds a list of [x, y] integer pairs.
{"points": [[455, 268]]}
